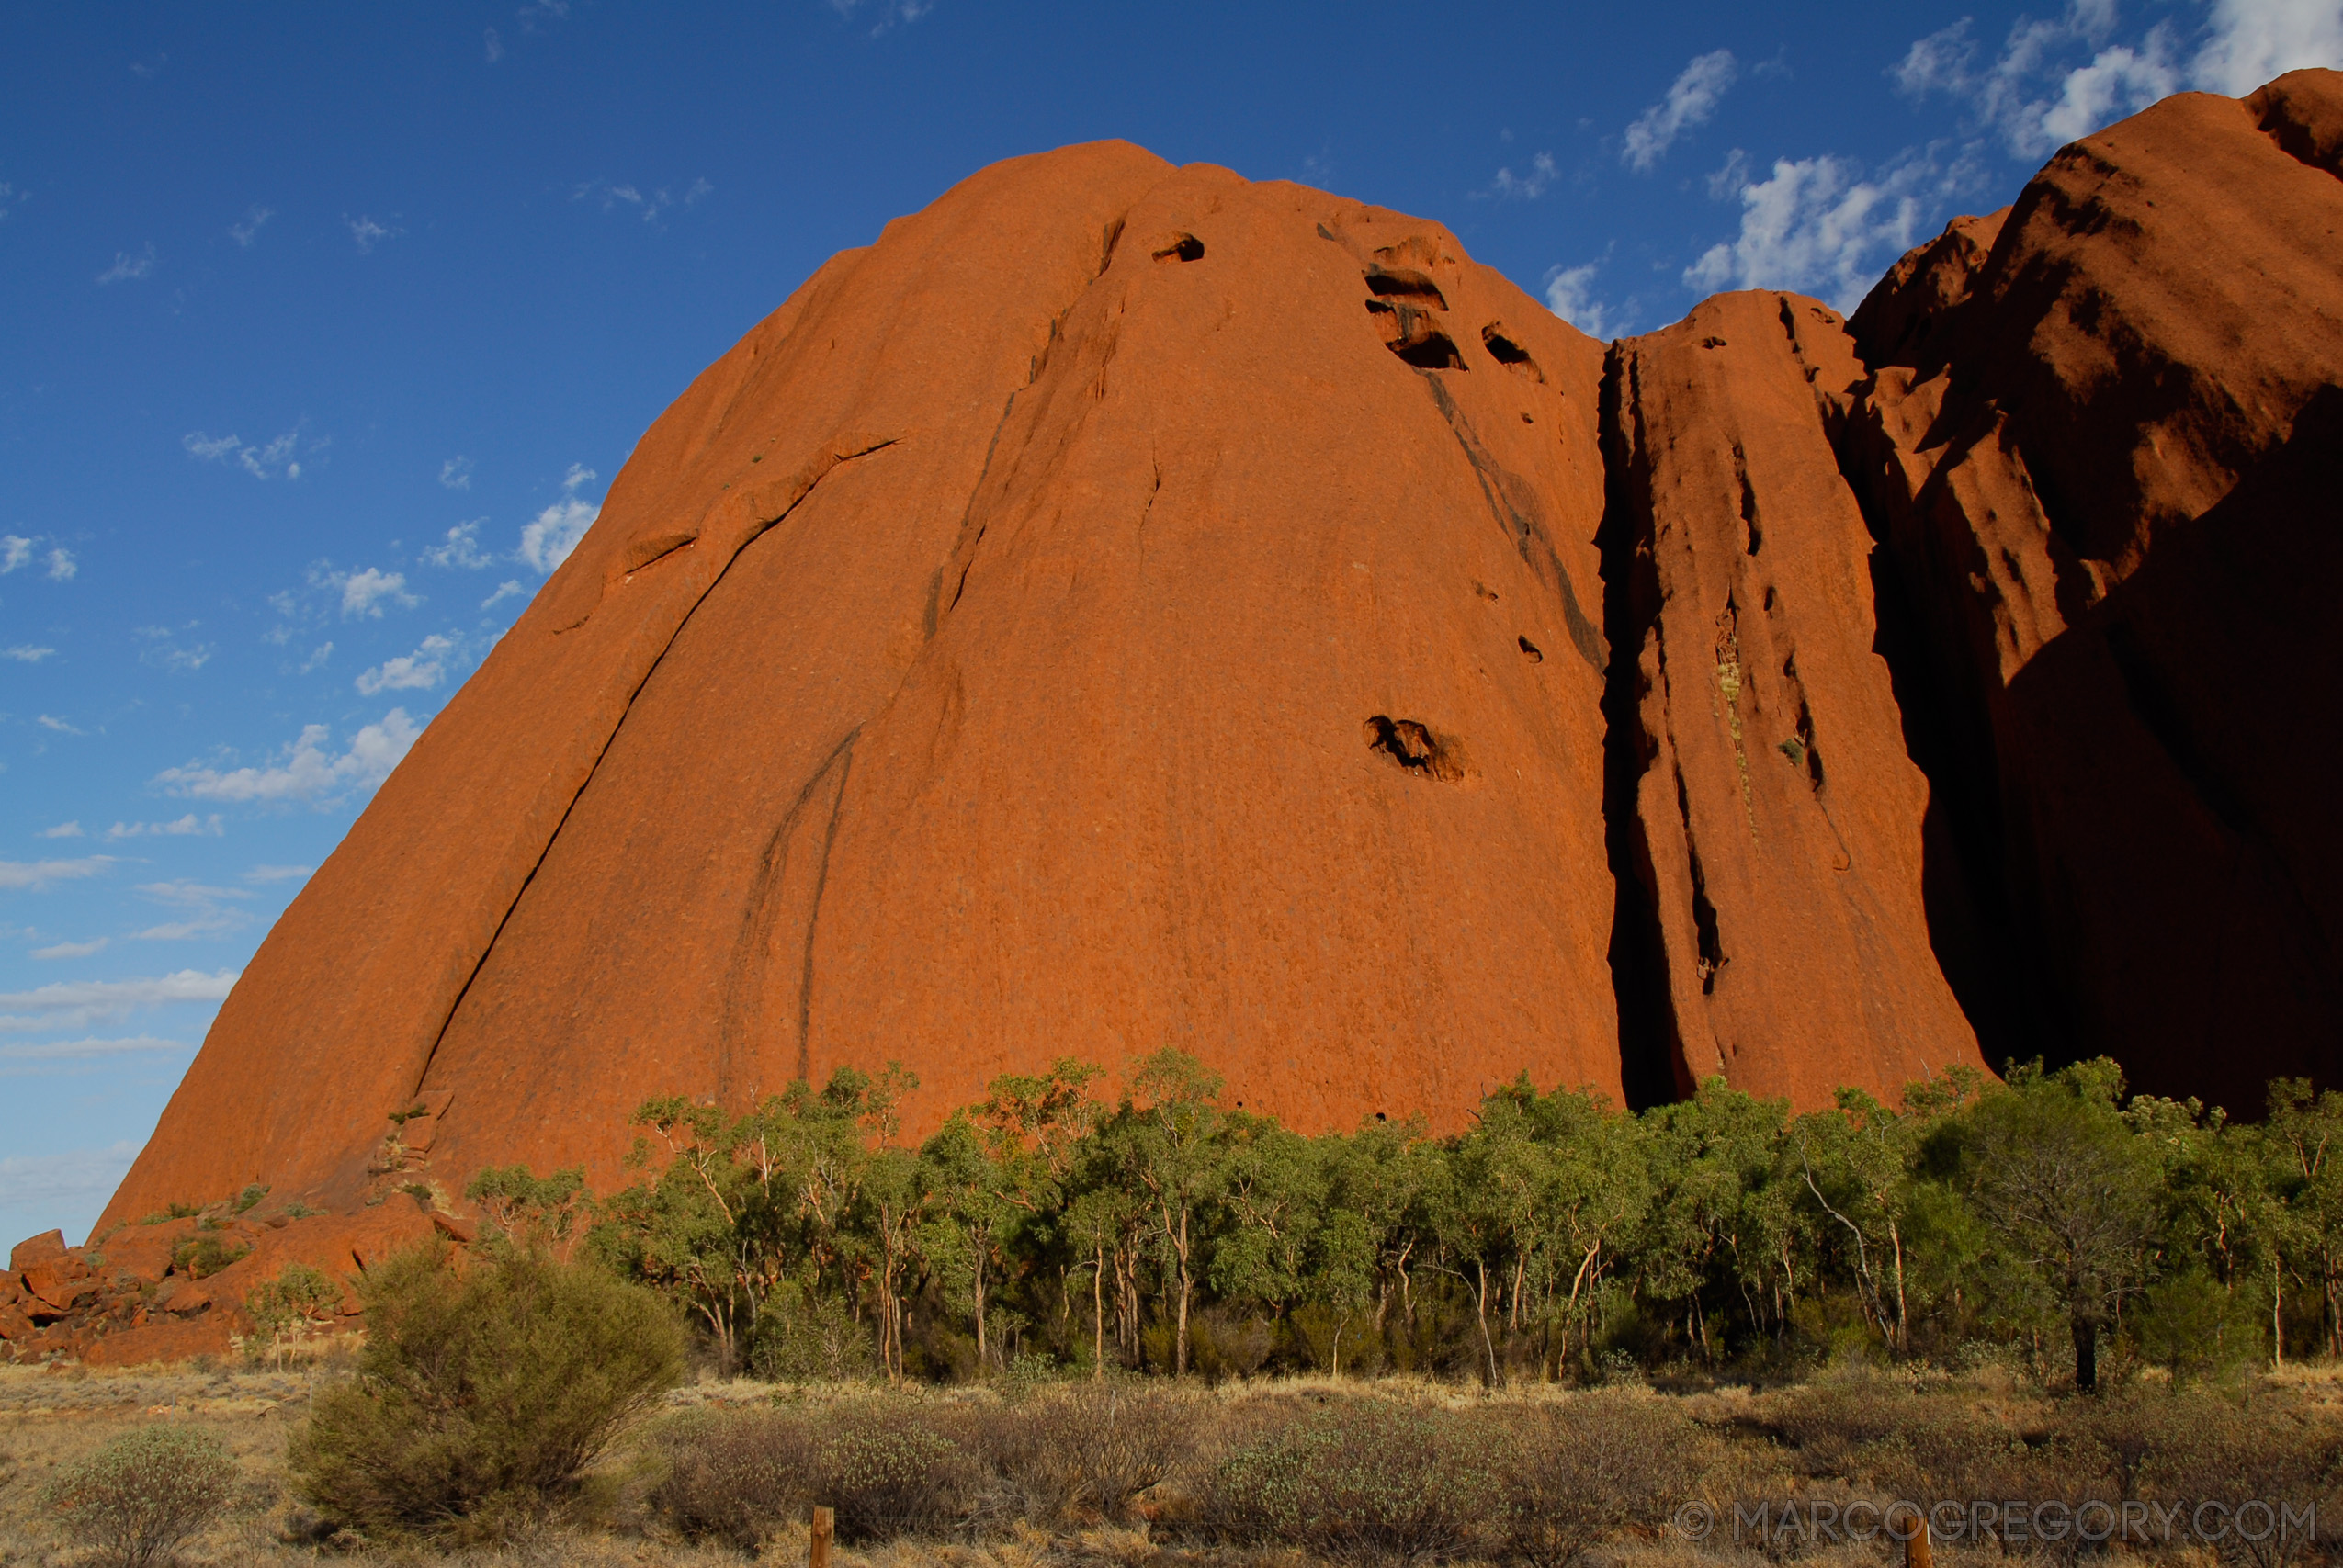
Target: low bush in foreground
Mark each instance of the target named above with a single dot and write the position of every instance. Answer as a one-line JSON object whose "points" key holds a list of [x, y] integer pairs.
{"points": [[479, 1398], [141, 1494]]}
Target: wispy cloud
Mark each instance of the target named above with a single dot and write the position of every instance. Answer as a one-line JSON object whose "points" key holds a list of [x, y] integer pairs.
{"points": [[2056, 80], [76, 1004], [1690, 99], [32, 876], [82, 1050], [15, 550], [60, 725], [547, 542], [71, 949], [26, 654], [1530, 186], [885, 14], [164, 651], [128, 268], [419, 671], [305, 770], [270, 873], [63, 831], [503, 591], [269, 460], [78, 1182], [456, 473], [317, 657], [494, 46], [255, 218], [203, 911], [646, 205], [63, 568], [187, 826], [367, 233], [461, 548]]}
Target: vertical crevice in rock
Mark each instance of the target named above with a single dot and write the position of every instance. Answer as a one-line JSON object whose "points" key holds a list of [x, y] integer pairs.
{"points": [[1649, 1047]]}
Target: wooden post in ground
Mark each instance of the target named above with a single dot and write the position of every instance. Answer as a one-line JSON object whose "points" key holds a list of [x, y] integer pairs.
{"points": [[1917, 1553], [825, 1524]]}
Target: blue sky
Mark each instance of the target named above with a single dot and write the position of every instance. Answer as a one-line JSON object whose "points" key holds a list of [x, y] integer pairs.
{"points": [[324, 328]]}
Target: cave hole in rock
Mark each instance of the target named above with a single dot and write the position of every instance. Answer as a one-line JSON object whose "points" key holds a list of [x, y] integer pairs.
{"points": [[1414, 747], [1403, 283], [1509, 353], [1531, 650], [1180, 247]]}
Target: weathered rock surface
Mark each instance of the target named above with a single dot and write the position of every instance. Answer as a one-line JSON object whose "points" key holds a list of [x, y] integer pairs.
{"points": [[2106, 460], [1130, 606]]}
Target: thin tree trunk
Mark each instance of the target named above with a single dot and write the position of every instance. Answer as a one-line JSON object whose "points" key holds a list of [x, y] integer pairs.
{"points": [[2086, 1356], [1098, 1314]]}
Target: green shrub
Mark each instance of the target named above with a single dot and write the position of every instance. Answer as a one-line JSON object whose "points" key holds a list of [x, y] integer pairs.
{"points": [[1578, 1472], [287, 1307], [1365, 1482], [890, 1473], [203, 1255], [479, 1399], [141, 1494], [800, 1335], [1084, 1452], [735, 1476]]}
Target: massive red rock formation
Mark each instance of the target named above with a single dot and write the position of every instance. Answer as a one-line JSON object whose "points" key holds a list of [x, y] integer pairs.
{"points": [[1129, 607]]}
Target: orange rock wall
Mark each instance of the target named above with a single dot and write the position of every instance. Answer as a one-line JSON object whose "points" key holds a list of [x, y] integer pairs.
{"points": [[1129, 607]]}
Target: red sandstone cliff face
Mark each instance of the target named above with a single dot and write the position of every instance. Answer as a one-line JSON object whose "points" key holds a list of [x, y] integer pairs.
{"points": [[1130, 607], [2106, 458]]}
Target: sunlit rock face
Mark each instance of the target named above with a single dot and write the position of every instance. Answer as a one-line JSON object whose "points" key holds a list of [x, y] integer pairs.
{"points": [[1130, 606]]}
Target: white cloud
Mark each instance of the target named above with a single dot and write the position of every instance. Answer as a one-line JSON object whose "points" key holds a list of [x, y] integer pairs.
{"points": [[1818, 226], [367, 233], [61, 566], [1690, 99], [2249, 42], [2039, 93], [34, 876], [456, 473], [547, 542], [26, 654], [364, 591], [60, 725], [1569, 295], [1731, 178], [304, 770], [503, 591], [79, 1050], [15, 550], [419, 671], [255, 219], [186, 826], [63, 831], [164, 653], [127, 268], [270, 460], [461, 548], [71, 949], [75, 1004], [495, 47], [265, 873], [317, 657]]}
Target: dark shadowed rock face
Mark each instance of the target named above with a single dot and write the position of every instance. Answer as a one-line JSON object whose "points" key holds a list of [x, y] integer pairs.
{"points": [[2108, 474], [1130, 607]]}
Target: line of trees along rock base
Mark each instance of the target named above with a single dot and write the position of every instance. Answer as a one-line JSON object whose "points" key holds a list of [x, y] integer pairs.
{"points": [[2049, 1219]]}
